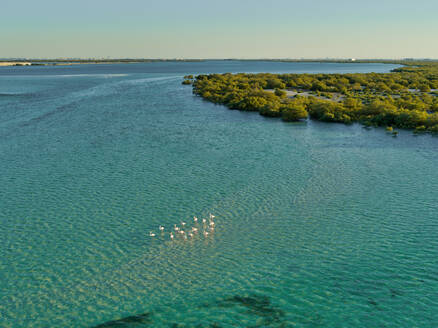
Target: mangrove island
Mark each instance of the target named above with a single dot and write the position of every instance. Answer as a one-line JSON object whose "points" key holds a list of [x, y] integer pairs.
{"points": [[404, 98]]}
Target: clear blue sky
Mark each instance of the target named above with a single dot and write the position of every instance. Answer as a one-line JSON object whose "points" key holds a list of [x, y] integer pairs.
{"points": [[219, 28]]}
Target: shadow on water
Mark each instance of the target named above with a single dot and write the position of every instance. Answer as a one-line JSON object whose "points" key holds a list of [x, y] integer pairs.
{"points": [[256, 305], [212, 325], [2, 94], [140, 320], [59, 109]]}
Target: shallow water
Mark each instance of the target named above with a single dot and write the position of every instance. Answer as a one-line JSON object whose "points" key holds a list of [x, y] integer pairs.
{"points": [[318, 225]]}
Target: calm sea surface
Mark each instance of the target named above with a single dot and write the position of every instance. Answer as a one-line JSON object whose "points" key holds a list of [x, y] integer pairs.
{"points": [[317, 225]]}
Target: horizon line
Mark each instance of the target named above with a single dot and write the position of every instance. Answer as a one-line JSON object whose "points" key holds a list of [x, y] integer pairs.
{"points": [[352, 59]]}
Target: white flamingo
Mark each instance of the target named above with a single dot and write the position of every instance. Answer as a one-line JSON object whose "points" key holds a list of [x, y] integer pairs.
{"points": [[212, 216], [171, 236], [195, 219], [151, 234], [176, 228], [205, 233], [212, 223], [204, 220], [161, 228], [183, 224], [194, 229]]}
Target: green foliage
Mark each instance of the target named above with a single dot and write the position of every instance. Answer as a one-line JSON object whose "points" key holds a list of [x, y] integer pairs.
{"points": [[329, 111], [424, 88], [353, 104], [434, 129], [420, 129], [274, 83], [375, 99], [187, 82], [280, 93], [294, 113]]}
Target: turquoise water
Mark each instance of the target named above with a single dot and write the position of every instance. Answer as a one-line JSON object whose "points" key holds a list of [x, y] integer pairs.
{"points": [[317, 225]]}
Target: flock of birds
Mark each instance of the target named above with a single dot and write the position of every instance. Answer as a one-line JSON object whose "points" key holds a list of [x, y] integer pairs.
{"points": [[185, 232]]}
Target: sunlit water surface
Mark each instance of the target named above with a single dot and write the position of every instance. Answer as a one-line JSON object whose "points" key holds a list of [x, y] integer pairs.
{"points": [[317, 225]]}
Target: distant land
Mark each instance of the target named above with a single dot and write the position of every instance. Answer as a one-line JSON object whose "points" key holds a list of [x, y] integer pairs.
{"points": [[76, 61], [55, 62]]}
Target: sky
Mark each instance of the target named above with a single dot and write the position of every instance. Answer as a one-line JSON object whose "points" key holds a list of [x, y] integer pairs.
{"points": [[219, 29]]}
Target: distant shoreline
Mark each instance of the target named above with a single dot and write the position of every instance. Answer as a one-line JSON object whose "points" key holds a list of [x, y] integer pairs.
{"points": [[59, 62], [64, 62], [14, 63]]}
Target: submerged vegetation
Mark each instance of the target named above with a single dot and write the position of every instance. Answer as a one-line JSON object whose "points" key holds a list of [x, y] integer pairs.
{"points": [[131, 321], [405, 98], [256, 308], [259, 306]]}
